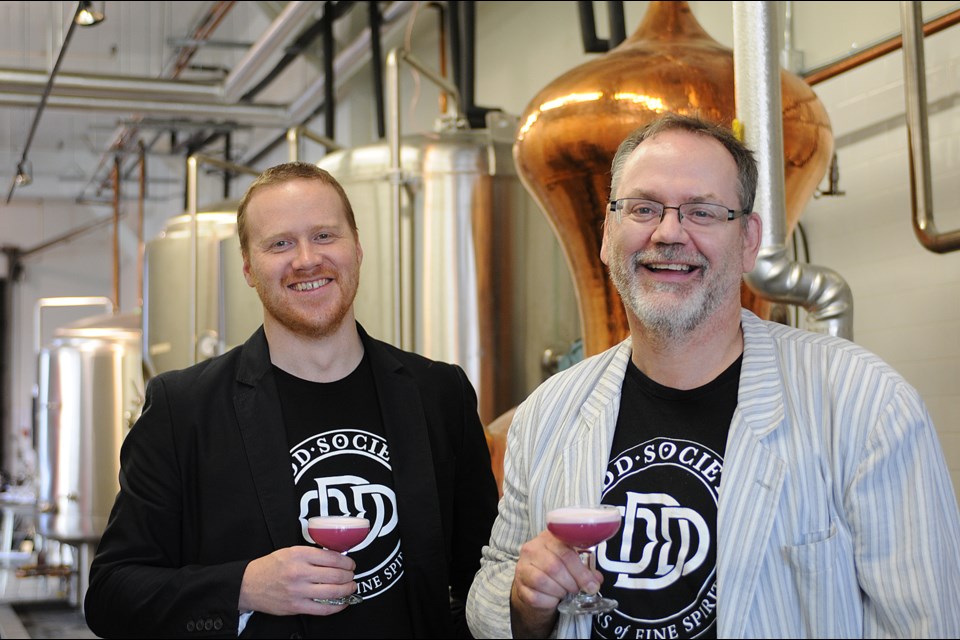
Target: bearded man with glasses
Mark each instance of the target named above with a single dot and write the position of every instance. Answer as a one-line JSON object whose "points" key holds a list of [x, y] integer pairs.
{"points": [[771, 482]]}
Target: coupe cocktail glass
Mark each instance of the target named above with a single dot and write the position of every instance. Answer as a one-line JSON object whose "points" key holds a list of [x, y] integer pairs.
{"points": [[583, 527], [338, 533]]}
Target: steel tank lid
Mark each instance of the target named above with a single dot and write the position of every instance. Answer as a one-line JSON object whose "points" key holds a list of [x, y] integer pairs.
{"points": [[125, 326]]}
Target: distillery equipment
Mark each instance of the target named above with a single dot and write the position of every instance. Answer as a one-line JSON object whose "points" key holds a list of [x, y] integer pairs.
{"points": [[484, 283], [196, 301], [90, 393], [571, 129]]}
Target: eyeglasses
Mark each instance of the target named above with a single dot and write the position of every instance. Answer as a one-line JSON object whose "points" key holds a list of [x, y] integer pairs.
{"points": [[651, 212]]}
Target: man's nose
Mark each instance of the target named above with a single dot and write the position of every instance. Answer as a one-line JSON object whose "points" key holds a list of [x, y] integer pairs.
{"points": [[307, 255], [670, 226]]}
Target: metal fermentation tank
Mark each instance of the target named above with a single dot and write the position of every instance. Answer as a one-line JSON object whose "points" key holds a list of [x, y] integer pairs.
{"points": [[90, 393], [187, 319], [483, 282]]}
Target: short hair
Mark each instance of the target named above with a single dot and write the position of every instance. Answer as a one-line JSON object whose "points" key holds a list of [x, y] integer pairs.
{"points": [[283, 173], [742, 155]]}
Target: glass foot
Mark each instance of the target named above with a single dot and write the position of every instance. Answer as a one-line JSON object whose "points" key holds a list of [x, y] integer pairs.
{"points": [[350, 599], [586, 604]]}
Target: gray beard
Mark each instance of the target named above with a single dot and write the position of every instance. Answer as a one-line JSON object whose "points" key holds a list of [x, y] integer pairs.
{"points": [[667, 320]]}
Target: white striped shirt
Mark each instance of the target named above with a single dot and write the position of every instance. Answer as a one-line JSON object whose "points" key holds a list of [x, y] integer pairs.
{"points": [[836, 517]]}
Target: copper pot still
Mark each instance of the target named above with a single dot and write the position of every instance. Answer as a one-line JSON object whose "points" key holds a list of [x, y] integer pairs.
{"points": [[571, 130]]}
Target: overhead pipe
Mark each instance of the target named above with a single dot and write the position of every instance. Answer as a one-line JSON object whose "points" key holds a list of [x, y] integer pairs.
{"points": [[272, 39], [376, 64], [821, 291], [346, 64], [294, 51], [463, 32], [918, 138], [264, 115], [328, 95], [588, 27], [395, 172]]}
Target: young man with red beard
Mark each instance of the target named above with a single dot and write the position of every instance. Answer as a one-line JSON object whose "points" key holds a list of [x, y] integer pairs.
{"points": [[311, 417], [771, 482]]}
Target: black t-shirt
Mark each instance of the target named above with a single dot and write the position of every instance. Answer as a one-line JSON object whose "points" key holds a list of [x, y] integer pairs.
{"points": [[664, 474], [340, 460]]}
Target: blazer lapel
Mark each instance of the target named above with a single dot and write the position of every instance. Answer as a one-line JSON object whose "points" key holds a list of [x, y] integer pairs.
{"points": [[753, 478], [257, 403]]}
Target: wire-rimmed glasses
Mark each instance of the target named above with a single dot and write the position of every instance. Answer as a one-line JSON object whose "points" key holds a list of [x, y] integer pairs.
{"points": [[650, 212]]}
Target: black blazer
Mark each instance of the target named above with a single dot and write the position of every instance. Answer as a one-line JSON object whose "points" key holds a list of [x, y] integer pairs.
{"points": [[206, 487]]}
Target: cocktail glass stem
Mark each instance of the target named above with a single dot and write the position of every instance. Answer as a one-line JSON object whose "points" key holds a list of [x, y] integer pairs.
{"points": [[585, 603]]}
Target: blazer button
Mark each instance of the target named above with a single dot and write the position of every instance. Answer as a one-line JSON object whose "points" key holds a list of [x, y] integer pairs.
{"points": [[207, 624], [190, 625], [295, 635], [218, 624]]}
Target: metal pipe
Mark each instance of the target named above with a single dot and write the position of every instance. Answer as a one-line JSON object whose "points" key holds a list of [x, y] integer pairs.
{"points": [[91, 85], [257, 114], [348, 61], [821, 291], [395, 172], [67, 301], [193, 161], [872, 52], [915, 93], [141, 148], [116, 233], [272, 39], [293, 141]]}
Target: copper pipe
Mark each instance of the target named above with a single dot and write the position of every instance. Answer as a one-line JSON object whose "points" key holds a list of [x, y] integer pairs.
{"points": [[878, 50], [441, 11], [116, 233]]}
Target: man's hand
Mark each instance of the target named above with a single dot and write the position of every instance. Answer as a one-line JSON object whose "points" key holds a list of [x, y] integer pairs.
{"points": [[287, 581], [547, 571]]}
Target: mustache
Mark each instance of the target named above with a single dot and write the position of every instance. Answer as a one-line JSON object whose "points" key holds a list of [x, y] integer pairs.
{"points": [[668, 254]]}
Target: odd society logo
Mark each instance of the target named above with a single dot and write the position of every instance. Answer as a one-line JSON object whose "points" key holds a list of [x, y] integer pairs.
{"points": [[664, 555], [378, 556]]}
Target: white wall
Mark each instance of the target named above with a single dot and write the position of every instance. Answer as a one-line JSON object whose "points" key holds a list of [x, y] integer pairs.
{"points": [[906, 299]]}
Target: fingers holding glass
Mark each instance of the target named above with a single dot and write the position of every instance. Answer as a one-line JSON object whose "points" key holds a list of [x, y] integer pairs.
{"points": [[583, 527]]}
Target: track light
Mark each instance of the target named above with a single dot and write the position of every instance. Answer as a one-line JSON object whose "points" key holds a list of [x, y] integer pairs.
{"points": [[24, 177], [87, 16]]}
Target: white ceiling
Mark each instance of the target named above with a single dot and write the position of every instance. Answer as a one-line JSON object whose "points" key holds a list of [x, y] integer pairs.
{"points": [[135, 76]]}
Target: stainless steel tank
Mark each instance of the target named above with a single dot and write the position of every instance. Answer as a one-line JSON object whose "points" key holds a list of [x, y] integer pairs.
{"points": [[186, 320], [484, 283], [90, 392]]}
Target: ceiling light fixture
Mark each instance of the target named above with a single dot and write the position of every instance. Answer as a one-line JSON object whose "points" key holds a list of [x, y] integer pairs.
{"points": [[87, 16], [24, 173]]}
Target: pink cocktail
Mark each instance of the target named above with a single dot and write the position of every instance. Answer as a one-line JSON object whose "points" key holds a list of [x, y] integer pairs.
{"points": [[583, 527], [339, 533]]}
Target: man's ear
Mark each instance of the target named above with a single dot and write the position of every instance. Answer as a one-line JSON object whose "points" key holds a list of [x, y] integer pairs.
{"points": [[246, 270], [604, 251], [752, 235]]}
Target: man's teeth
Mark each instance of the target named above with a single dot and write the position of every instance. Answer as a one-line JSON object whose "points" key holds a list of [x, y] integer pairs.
{"points": [[671, 267], [307, 286]]}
